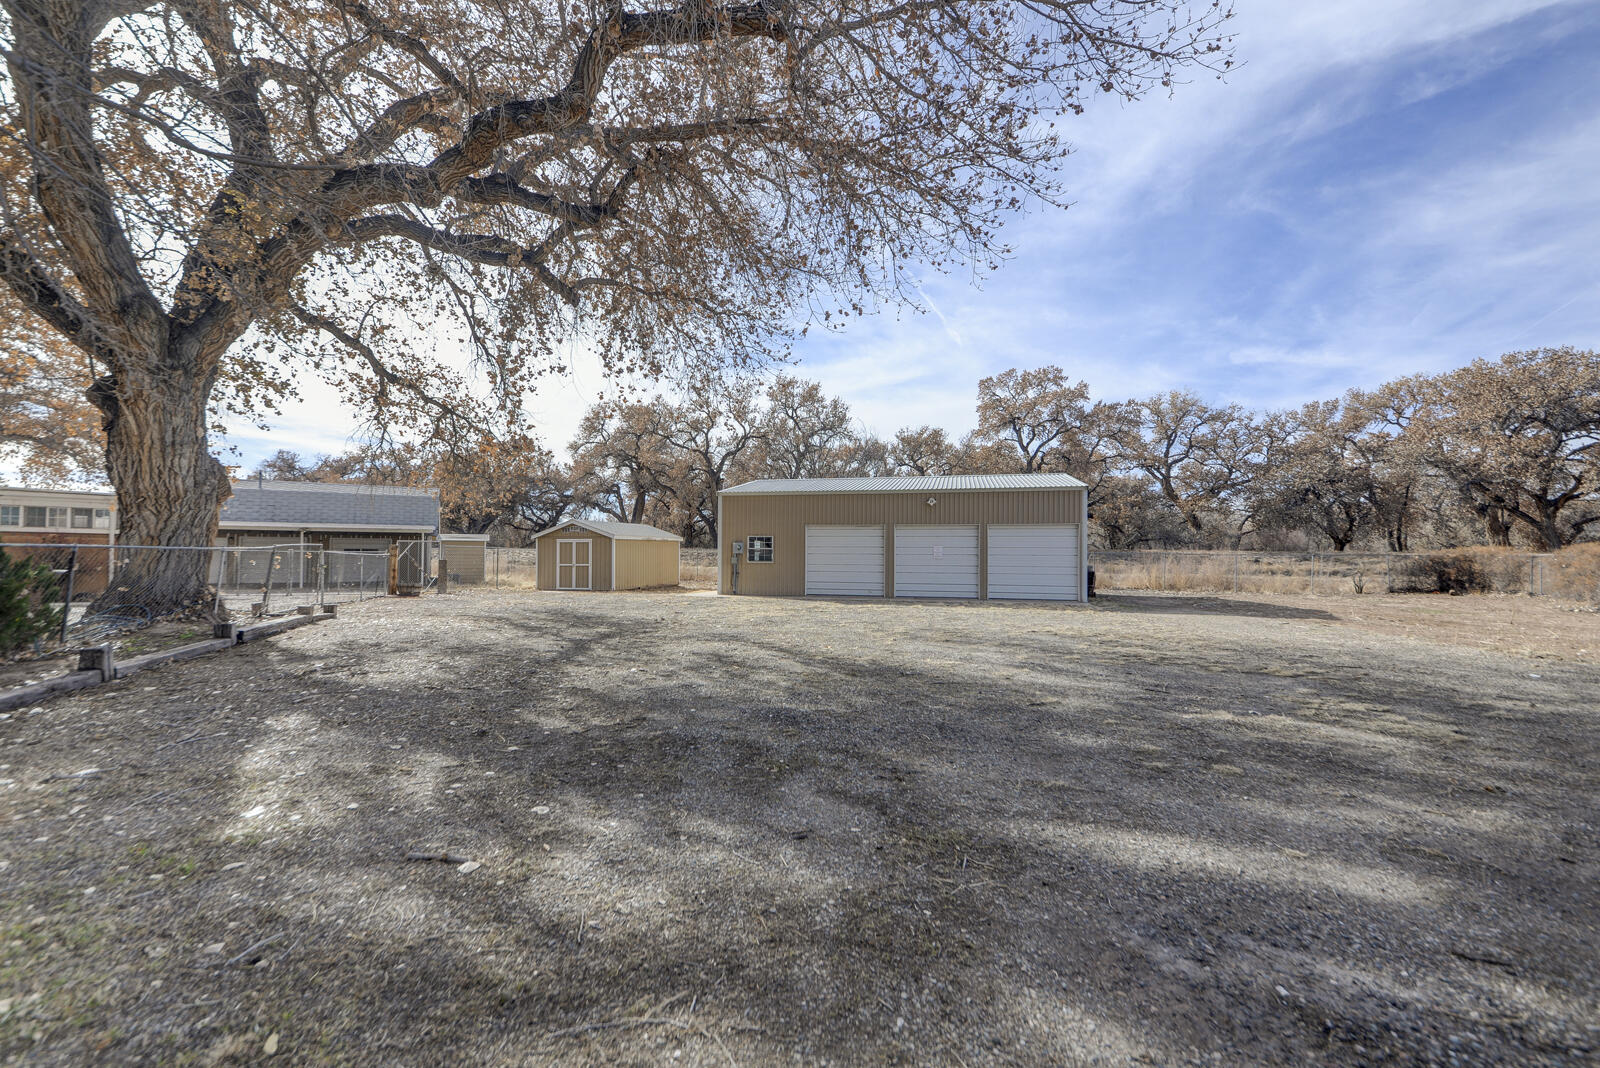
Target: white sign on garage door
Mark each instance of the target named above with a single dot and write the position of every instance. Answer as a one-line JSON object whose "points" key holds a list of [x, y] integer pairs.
{"points": [[1034, 563], [935, 561], [844, 561]]}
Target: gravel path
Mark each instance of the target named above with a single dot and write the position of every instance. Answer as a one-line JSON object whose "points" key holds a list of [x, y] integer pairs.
{"points": [[1162, 830]]}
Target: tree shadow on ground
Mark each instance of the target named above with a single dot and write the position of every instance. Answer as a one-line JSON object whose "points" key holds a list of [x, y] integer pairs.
{"points": [[877, 843], [1185, 604]]}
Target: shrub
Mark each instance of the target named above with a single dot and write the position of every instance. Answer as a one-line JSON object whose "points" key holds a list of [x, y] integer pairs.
{"points": [[1447, 572], [27, 587]]}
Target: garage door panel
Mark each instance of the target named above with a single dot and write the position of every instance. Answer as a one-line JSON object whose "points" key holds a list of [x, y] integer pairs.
{"points": [[1034, 563], [936, 561], [844, 561]]}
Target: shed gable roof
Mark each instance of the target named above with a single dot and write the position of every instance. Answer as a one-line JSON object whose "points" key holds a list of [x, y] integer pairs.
{"points": [[907, 484], [617, 531]]}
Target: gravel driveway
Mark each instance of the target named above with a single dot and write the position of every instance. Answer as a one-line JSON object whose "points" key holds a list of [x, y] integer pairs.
{"points": [[1161, 830]]}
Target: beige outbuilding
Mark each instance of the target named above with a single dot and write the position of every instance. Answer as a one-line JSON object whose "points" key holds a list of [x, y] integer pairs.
{"points": [[464, 556], [584, 555], [1016, 537]]}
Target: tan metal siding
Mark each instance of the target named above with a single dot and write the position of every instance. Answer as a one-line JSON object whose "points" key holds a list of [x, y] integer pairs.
{"points": [[784, 516], [641, 564], [599, 556]]}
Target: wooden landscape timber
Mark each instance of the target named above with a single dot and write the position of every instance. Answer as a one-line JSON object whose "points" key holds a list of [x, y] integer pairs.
{"points": [[97, 664]]}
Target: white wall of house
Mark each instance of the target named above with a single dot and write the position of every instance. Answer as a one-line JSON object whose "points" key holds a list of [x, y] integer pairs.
{"points": [[37, 511]]}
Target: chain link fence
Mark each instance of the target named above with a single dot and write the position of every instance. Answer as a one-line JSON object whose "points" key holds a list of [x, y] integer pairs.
{"points": [[86, 593], [514, 568], [505, 568], [1572, 574]]}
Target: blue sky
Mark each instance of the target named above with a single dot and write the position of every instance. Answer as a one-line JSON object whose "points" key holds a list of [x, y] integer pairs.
{"points": [[1382, 187]]}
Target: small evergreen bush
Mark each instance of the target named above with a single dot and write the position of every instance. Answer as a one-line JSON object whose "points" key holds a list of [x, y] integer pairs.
{"points": [[27, 586]]}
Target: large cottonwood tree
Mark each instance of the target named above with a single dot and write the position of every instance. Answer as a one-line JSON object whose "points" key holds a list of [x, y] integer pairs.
{"points": [[206, 196], [1519, 437]]}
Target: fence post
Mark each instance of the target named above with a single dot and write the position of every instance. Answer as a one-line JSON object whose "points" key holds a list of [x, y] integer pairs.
{"points": [[266, 580], [1163, 571], [66, 601], [394, 569], [1235, 572]]}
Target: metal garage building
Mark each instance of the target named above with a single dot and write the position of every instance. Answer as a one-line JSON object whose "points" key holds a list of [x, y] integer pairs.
{"points": [[1014, 537], [583, 555]]}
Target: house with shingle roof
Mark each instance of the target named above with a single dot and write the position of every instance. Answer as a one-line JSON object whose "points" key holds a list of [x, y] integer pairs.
{"points": [[335, 515]]}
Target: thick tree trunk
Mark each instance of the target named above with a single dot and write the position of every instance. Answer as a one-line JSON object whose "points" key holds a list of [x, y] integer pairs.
{"points": [[1496, 527], [1549, 527], [169, 489]]}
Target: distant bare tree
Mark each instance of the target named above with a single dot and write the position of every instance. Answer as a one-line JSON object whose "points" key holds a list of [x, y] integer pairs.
{"points": [[923, 450], [1197, 455], [1319, 480], [623, 460], [1391, 462], [1031, 411], [1521, 436], [289, 466], [803, 429], [717, 432]]}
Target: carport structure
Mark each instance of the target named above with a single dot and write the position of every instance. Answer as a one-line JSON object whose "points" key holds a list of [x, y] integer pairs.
{"points": [[1013, 537]]}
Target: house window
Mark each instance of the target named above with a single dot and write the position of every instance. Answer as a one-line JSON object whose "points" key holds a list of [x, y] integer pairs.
{"points": [[102, 519], [58, 518], [10, 515], [82, 518], [758, 549], [33, 516]]}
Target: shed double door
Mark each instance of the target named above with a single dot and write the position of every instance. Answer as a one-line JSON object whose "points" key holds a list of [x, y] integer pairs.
{"points": [[573, 565]]}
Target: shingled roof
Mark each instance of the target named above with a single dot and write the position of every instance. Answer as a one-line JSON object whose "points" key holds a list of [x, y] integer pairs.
{"points": [[262, 504]]}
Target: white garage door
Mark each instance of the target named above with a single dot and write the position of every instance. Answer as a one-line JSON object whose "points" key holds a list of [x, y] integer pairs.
{"points": [[1033, 563], [844, 561], [935, 561]]}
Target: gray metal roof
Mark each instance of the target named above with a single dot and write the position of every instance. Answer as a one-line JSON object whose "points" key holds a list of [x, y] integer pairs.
{"points": [[617, 531], [330, 506], [907, 484]]}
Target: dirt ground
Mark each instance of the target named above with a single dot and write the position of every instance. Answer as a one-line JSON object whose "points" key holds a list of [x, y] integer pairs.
{"points": [[702, 830], [125, 645]]}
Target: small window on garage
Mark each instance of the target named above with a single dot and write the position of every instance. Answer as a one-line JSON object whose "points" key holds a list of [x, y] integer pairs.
{"points": [[759, 549]]}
